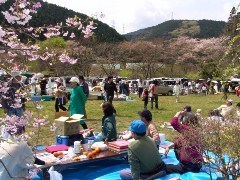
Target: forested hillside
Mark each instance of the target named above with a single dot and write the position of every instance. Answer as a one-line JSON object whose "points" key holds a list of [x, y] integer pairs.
{"points": [[177, 28], [52, 14]]}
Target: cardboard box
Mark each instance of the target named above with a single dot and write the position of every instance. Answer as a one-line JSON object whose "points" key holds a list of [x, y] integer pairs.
{"points": [[68, 125], [61, 113]]}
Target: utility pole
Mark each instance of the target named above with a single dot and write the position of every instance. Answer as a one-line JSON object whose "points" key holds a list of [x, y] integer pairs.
{"points": [[123, 29], [172, 16], [113, 24]]}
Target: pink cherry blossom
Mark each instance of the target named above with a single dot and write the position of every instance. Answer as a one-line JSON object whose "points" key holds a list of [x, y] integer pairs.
{"points": [[72, 35], [65, 34], [2, 1]]}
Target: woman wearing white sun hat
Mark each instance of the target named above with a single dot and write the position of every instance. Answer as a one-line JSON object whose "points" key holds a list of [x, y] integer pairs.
{"points": [[77, 99]]}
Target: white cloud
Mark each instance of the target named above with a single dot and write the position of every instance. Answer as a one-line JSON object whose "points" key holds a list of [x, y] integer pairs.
{"points": [[138, 14]]}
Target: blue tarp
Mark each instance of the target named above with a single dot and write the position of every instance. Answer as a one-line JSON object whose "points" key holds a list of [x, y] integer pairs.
{"points": [[109, 170]]}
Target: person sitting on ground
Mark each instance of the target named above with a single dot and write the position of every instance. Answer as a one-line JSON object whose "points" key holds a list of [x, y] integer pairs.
{"points": [[109, 131], [215, 116], [144, 163], [199, 114], [238, 109], [188, 112], [152, 131], [227, 109], [188, 153]]}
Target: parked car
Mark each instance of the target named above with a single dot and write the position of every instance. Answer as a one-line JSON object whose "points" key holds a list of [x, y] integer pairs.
{"points": [[163, 89], [233, 84], [135, 81], [169, 82]]}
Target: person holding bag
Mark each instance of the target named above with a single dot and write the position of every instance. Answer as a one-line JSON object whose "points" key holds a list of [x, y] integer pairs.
{"points": [[61, 99]]}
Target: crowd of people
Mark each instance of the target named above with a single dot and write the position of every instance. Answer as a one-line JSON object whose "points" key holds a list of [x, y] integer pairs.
{"points": [[143, 163]]}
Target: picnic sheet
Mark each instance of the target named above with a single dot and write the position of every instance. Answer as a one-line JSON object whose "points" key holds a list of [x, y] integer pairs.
{"points": [[110, 171], [113, 172]]}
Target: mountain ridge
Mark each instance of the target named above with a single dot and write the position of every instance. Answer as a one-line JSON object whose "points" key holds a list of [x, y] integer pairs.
{"points": [[175, 28]]}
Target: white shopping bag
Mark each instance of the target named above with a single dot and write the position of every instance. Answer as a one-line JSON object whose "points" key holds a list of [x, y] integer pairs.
{"points": [[54, 175]]}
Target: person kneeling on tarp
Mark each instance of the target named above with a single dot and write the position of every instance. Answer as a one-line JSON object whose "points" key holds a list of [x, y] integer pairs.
{"points": [[144, 163]]}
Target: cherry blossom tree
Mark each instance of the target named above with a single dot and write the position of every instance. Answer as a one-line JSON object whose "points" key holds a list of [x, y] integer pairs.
{"points": [[19, 40]]}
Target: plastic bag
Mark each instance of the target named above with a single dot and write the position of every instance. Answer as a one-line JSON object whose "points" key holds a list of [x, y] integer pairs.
{"points": [[54, 175], [70, 152], [101, 145], [98, 136]]}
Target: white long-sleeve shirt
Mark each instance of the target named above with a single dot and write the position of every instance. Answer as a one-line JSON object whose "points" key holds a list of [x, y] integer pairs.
{"points": [[226, 110]]}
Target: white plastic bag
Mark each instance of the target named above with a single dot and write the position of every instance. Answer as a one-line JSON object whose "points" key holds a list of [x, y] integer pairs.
{"points": [[70, 152], [54, 175], [101, 145]]}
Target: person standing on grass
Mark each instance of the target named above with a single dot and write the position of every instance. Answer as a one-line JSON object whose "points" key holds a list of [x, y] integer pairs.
{"points": [[140, 87], [12, 101], [59, 90], [85, 88], [145, 98], [225, 88], [144, 163], [153, 93], [77, 100], [177, 91], [60, 99], [109, 88], [43, 84]]}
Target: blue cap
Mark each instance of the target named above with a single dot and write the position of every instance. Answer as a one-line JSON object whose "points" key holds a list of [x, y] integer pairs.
{"points": [[137, 126]]}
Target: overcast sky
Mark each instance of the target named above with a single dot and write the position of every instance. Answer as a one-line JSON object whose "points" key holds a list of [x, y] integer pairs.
{"points": [[131, 15]]}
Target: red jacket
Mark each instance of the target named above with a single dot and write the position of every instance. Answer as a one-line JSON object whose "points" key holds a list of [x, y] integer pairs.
{"points": [[190, 152]]}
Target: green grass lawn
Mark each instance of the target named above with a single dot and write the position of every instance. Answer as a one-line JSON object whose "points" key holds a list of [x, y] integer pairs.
{"points": [[127, 111]]}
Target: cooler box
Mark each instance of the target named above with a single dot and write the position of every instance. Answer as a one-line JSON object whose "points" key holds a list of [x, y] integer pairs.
{"points": [[68, 125], [62, 140], [69, 140]]}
